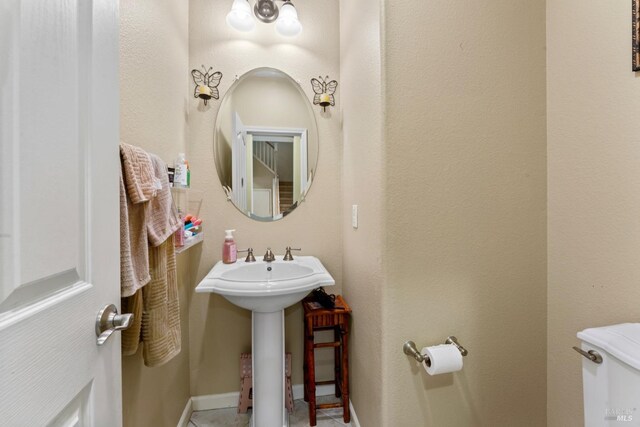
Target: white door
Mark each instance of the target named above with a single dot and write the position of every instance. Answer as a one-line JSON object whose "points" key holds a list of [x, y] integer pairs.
{"points": [[59, 244], [239, 179], [262, 202]]}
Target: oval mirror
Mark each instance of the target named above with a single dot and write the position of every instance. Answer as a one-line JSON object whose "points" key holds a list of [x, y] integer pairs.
{"points": [[266, 144]]}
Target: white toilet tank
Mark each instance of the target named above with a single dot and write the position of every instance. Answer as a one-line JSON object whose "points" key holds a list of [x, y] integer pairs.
{"points": [[612, 389]]}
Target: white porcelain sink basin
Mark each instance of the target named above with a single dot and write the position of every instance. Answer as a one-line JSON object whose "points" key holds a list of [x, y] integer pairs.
{"points": [[258, 273], [266, 287]]}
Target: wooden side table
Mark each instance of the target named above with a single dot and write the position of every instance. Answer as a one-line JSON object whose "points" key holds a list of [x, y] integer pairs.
{"points": [[318, 318]]}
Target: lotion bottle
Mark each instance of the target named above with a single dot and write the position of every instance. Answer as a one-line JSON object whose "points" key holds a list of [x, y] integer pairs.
{"points": [[180, 174], [229, 249]]}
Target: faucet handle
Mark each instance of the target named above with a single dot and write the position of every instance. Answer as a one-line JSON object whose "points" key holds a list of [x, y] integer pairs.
{"points": [[269, 256], [287, 255], [250, 257]]}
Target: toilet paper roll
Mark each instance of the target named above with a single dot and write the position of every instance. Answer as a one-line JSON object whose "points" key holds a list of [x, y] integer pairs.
{"points": [[442, 359]]}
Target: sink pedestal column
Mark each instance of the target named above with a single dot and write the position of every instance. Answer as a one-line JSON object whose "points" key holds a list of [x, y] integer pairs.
{"points": [[268, 358]]}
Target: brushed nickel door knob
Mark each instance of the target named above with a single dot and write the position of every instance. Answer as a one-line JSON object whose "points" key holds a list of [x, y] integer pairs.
{"points": [[108, 321]]}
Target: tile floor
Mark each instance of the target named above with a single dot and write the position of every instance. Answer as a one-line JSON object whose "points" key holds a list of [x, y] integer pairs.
{"points": [[229, 417]]}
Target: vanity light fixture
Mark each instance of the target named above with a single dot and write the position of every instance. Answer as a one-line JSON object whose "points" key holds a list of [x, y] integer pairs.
{"points": [[285, 18], [266, 11], [240, 16], [288, 24]]}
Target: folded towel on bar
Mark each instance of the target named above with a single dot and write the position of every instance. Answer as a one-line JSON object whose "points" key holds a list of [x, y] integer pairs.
{"points": [[161, 313], [163, 219], [138, 173], [131, 336], [156, 311], [136, 189], [155, 307]]}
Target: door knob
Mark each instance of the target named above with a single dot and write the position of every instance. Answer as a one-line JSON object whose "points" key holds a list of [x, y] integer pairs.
{"points": [[108, 321]]}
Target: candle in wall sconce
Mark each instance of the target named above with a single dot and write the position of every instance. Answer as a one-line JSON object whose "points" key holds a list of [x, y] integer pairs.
{"points": [[206, 84], [324, 91], [203, 91], [325, 99]]}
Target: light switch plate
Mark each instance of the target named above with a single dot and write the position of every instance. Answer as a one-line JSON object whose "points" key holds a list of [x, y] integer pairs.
{"points": [[354, 216]]}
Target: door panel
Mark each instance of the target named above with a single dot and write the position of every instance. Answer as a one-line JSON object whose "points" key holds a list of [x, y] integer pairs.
{"points": [[51, 103], [239, 163], [59, 241], [9, 49], [77, 413]]}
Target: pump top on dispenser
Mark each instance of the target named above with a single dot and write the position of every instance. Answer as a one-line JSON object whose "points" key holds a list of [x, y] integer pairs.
{"points": [[229, 249]]}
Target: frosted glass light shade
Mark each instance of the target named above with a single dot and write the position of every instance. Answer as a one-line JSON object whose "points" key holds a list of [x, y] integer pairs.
{"points": [[288, 24], [240, 16]]}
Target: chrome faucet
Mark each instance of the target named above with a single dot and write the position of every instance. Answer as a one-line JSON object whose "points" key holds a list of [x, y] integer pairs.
{"points": [[287, 254], [269, 256]]}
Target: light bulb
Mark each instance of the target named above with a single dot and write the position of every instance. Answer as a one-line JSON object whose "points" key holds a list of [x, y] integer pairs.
{"points": [[240, 16], [287, 23]]}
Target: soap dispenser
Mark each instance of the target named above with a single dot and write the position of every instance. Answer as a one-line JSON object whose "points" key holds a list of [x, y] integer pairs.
{"points": [[229, 249]]}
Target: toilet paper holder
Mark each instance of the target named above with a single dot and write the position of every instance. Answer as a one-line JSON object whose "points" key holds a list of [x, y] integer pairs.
{"points": [[410, 349]]}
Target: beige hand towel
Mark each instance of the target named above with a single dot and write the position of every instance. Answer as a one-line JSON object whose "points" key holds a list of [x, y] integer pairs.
{"points": [[156, 311], [155, 307], [136, 188], [161, 315], [163, 219], [131, 336], [138, 173], [161, 337], [134, 253]]}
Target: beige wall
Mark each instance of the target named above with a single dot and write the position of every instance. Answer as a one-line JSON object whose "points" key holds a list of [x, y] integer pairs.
{"points": [[154, 88], [594, 190], [362, 183], [468, 256], [153, 91], [465, 210], [220, 331]]}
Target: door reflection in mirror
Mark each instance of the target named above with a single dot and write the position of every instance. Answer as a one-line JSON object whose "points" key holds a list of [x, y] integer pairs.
{"points": [[269, 170]]}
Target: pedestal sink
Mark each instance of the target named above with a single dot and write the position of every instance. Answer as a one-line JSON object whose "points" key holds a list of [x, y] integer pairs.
{"points": [[267, 288]]}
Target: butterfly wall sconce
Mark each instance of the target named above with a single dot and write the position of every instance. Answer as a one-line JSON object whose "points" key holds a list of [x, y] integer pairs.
{"points": [[324, 90], [206, 84]]}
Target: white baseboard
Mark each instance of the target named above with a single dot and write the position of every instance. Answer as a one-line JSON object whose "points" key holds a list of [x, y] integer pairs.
{"points": [[230, 400], [215, 401], [354, 417], [186, 414]]}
